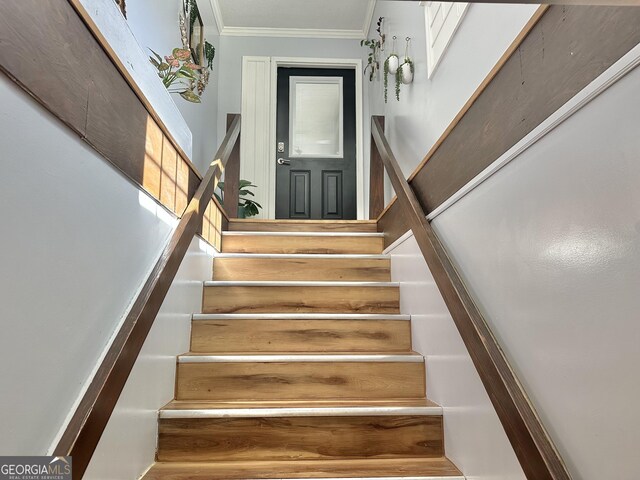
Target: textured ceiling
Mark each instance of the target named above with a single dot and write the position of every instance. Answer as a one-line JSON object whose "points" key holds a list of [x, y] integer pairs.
{"points": [[314, 16]]}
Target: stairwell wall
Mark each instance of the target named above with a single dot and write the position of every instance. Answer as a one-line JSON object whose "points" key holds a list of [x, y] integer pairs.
{"points": [[474, 438], [128, 445], [549, 247], [427, 106], [78, 241]]}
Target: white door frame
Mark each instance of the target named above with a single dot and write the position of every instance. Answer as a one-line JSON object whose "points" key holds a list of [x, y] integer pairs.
{"points": [[346, 63]]}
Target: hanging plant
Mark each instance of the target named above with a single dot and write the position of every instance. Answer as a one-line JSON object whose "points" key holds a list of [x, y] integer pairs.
{"points": [[404, 74], [376, 46], [372, 65], [390, 67], [406, 71]]}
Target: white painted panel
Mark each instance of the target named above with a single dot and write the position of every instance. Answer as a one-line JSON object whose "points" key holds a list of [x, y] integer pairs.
{"points": [[474, 438], [550, 248], [255, 139], [78, 240], [113, 26], [442, 19], [128, 445]]}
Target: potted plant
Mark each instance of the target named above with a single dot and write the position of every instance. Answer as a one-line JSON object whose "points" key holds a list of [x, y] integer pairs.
{"points": [[406, 71], [404, 74], [246, 207]]}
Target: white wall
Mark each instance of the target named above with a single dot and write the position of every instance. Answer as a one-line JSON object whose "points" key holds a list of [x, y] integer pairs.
{"points": [[78, 240], [550, 249], [428, 106], [128, 445], [155, 26], [474, 438]]}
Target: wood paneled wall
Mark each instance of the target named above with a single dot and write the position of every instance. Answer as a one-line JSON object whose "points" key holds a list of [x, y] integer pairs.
{"points": [[49, 51], [212, 224], [555, 57]]}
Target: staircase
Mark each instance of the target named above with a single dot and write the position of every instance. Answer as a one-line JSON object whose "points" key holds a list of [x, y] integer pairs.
{"points": [[301, 366]]}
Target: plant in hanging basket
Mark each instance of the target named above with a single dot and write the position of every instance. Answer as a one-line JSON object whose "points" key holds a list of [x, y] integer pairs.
{"points": [[390, 68], [406, 71], [404, 75]]}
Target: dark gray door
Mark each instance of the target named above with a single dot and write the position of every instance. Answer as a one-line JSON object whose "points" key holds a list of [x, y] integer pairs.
{"points": [[316, 144]]}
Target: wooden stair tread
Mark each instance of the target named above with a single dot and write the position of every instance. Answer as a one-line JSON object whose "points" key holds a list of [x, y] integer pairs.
{"points": [[351, 468], [410, 354], [303, 225], [302, 242], [328, 403]]}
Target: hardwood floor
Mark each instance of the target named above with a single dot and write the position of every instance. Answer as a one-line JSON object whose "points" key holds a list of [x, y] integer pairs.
{"points": [[299, 380], [301, 366], [299, 335], [256, 267], [364, 243], [300, 299], [299, 438], [349, 468], [249, 225]]}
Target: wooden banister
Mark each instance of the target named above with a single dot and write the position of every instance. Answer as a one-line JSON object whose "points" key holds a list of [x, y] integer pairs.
{"points": [[533, 447], [83, 432], [376, 179], [232, 179]]}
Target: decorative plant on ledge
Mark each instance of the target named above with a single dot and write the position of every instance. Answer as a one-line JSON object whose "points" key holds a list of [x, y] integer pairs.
{"points": [[246, 206], [177, 72], [186, 71]]}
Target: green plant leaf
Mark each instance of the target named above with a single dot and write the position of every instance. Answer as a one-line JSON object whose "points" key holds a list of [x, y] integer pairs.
{"points": [[221, 186], [163, 66], [158, 57], [246, 192], [189, 96], [218, 198]]}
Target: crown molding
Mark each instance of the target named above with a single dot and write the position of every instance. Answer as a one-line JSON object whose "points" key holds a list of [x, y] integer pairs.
{"points": [[368, 19], [217, 14], [291, 32]]}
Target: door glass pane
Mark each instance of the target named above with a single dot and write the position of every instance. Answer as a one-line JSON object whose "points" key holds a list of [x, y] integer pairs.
{"points": [[315, 117]]}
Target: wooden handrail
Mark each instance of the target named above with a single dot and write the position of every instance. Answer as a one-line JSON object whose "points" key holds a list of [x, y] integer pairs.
{"points": [[535, 451], [83, 432]]}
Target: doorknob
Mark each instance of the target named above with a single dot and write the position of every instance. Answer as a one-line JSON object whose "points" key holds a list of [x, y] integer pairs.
{"points": [[284, 161]]}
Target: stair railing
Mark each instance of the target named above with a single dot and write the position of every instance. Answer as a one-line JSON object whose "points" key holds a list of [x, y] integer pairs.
{"points": [[532, 445], [90, 418]]}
